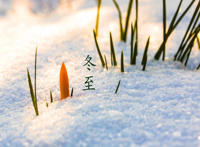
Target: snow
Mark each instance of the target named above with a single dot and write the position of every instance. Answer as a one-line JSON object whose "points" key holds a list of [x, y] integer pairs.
{"points": [[158, 107]]}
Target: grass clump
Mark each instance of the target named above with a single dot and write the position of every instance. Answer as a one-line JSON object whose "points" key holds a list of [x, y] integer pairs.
{"points": [[184, 57], [174, 23], [188, 33]]}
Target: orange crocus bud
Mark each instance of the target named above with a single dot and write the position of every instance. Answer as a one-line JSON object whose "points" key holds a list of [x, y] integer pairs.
{"points": [[64, 82]]}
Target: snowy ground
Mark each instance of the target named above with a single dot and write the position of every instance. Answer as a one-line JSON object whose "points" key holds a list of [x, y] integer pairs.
{"points": [[158, 107]]}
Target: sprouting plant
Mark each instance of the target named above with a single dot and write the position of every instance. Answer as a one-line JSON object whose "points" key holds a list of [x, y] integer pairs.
{"points": [[112, 50], [174, 23], [97, 19], [98, 49], [32, 92], [64, 82], [124, 32], [117, 87], [122, 61]]}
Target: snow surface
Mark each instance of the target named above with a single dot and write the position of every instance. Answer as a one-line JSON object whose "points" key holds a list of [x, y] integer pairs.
{"points": [[158, 107]]}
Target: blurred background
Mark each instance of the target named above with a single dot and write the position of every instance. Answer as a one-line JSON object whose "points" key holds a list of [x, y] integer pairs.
{"points": [[36, 6]]}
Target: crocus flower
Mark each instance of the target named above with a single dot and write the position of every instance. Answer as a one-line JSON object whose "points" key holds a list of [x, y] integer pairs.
{"points": [[64, 82]]}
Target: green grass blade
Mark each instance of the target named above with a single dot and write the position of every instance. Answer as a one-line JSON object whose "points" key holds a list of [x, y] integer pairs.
{"points": [[98, 49], [197, 19], [164, 27], [72, 92], [137, 17], [51, 97], [47, 104], [187, 43], [188, 48], [106, 62], [170, 30], [122, 61], [171, 26], [117, 87], [198, 42], [34, 100], [183, 14], [127, 19], [132, 41], [145, 51], [135, 53], [35, 73], [97, 19], [113, 50], [145, 63], [120, 20], [198, 67], [188, 55]]}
